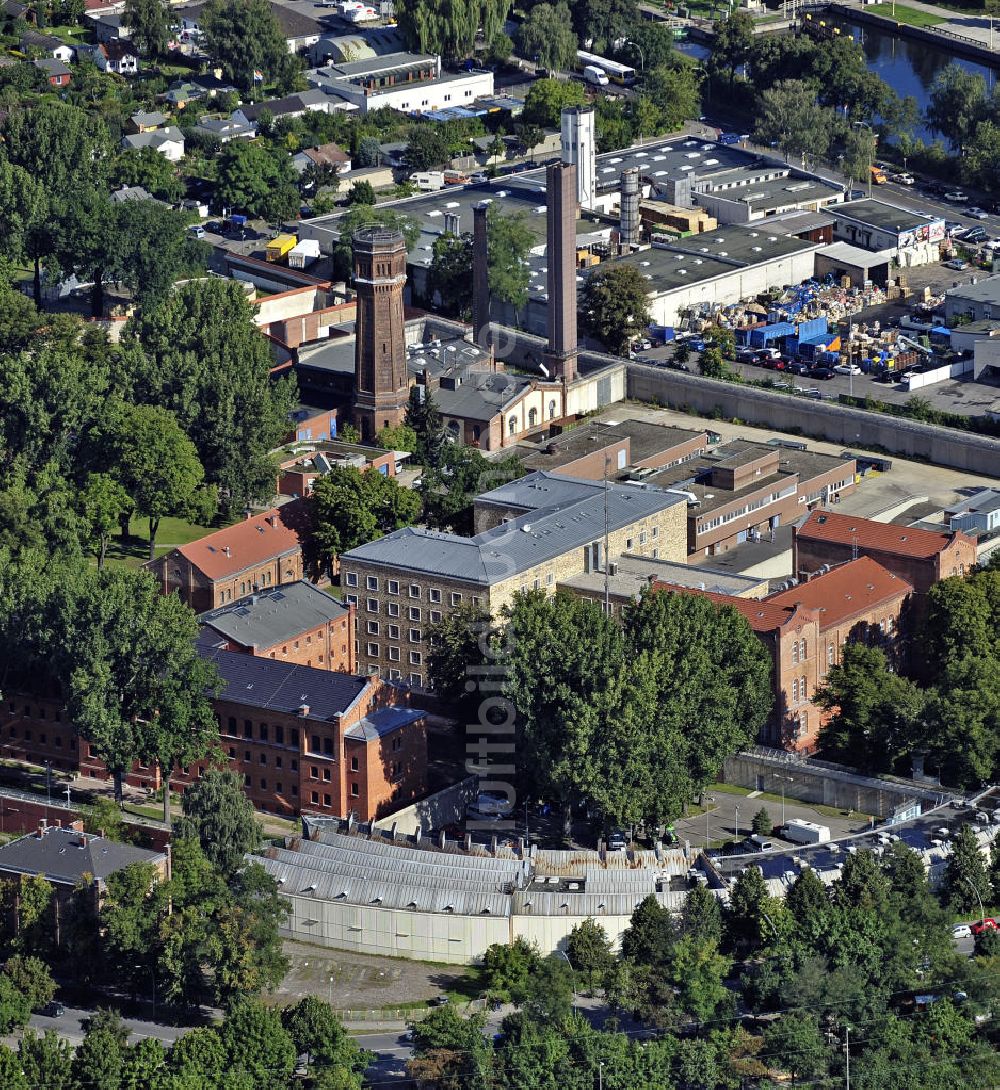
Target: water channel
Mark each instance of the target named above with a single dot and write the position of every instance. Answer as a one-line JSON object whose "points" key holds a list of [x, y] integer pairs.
{"points": [[908, 67]]}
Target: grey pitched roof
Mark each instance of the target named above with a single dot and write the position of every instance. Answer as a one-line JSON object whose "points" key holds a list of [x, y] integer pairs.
{"points": [[518, 545], [153, 139], [278, 107], [280, 686], [144, 119], [383, 722], [262, 620], [65, 856], [131, 193]]}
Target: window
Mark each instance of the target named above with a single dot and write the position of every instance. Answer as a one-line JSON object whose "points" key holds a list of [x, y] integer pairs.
{"points": [[802, 688], [414, 590], [326, 775], [355, 791], [277, 762], [397, 744], [279, 735], [328, 746], [394, 654], [394, 586], [247, 756], [326, 800], [795, 651], [315, 798], [314, 773], [394, 675], [434, 616], [629, 543], [371, 582], [476, 601], [829, 654], [549, 579], [354, 764], [415, 635], [263, 758], [434, 595], [393, 609], [417, 680], [371, 604], [232, 753], [351, 599], [293, 736], [795, 690], [512, 425], [373, 628], [295, 765], [295, 788], [802, 650], [414, 613], [232, 725], [394, 632], [372, 650], [247, 728], [415, 658], [263, 732], [655, 532], [456, 599], [642, 537]]}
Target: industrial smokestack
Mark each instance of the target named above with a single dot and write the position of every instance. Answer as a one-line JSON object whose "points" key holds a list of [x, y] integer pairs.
{"points": [[560, 254], [480, 277], [578, 149], [629, 222]]}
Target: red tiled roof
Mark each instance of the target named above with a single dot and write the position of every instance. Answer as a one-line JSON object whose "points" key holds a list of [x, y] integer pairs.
{"points": [[762, 616], [878, 536], [845, 591], [251, 542]]}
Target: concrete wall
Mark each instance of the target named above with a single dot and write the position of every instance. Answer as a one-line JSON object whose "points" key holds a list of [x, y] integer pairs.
{"points": [[819, 420], [823, 783], [290, 304], [442, 808], [938, 374]]}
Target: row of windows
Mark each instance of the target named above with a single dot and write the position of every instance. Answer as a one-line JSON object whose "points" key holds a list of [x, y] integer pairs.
{"points": [[373, 651], [278, 788], [264, 732], [43, 738], [798, 650], [56, 715], [416, 680], [226, 595], [372, 583], [799, 689], [262, 759], [392, 630]]}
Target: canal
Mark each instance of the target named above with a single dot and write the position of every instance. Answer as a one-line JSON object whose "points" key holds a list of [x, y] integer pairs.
{"points": [[908, 67]]}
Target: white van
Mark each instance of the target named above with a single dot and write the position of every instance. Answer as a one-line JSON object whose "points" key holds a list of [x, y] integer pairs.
{"points": [[761, 843], [595, 76]]}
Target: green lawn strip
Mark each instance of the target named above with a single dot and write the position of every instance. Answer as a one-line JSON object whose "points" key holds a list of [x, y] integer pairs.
{"points": [[903, 14]]}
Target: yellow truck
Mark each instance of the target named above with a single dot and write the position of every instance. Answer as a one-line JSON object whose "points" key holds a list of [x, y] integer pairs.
{"points": [[278, 247]]}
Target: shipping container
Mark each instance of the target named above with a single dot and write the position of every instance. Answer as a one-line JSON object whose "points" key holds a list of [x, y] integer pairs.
{"points": [[279, 246]]}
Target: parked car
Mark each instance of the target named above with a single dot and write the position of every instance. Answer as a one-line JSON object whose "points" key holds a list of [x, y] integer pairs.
{"points": [[214, 227], [952, 227], [746, 355], [53, 1009], [822, 373], [797, 367], [617, 842], [973, 234], [196, 230], [729, 138], [957, 264], [847, 369], [903, 178], [956, 196], [984, 925], [961, 931], [976, 212]]}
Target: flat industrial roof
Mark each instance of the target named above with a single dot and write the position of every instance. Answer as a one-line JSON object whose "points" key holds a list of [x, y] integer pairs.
{"points": [[635, 572], [646, 440], [882, 215]]}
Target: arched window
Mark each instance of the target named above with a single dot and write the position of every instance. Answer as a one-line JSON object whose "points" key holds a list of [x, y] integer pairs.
{"points": [[795, 651], [802, 651], [512, 425], [552, 409], [795, 690], [802, 688], [532, 417]]}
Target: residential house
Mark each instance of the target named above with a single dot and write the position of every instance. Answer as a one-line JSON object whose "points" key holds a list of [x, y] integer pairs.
{"points": [[33, 41], [805, 629], [979, 514], [224, 129], [168, 141], [414, 577], [300, 31], [143, 121], [195, 88], [323, 156], [290, 106], [921, 557], [109, 26], [13, 10], [298, 623], [257, 554], [131, 193], [118, 56], [57, 74]]}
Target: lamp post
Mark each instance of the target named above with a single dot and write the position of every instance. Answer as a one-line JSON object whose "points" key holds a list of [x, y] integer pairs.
{"points": [[708, 799], [736, 824], [972, 886], [563, 954]]}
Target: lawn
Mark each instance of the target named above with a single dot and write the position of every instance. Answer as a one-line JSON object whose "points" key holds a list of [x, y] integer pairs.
{"points": [[902, 14], [133, 551]]}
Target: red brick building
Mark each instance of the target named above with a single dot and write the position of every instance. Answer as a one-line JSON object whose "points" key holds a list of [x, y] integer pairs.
{"points": [[258, 554], [304, 740], [805, 629], [298, 623], [299, 472], [921, 557]]}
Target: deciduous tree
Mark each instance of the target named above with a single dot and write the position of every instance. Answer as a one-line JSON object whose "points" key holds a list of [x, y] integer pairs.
{"points": [[219, 816], [245, 38], [615, 305], [547, 37]]}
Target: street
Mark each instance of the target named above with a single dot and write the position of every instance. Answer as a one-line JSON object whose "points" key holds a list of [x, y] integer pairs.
{"points": [[70, 1025]]}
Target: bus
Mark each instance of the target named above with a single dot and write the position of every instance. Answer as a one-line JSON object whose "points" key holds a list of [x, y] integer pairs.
{"points": [[617, 73]]}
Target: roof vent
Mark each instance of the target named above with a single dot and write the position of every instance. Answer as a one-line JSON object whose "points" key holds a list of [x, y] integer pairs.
{"points": [[227, 550], [303, 710]]}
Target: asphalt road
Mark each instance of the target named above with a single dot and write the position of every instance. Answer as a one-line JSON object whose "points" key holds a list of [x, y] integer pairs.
{"points": [[70, 1025]]}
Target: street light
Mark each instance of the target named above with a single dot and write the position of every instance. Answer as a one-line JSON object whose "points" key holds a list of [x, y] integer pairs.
{"points": [[972, 886], [563, 954], [708, 799], [736, 824]]}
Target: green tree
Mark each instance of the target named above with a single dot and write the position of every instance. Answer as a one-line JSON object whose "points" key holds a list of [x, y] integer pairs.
{"points": [[698, 971], [148, 168], [733, 44], [603, 22], [149, 25], [751, 909], [701, 915], [615, 305], [547, 98], [427, 147], [244, 37], [197, 1058], [762, 823], [45, 1061], [957, 104], [449, 278], [966, 880], [15, 1009], [799, 1046], [350, 508], [450, 28], [463, 473], [316, 1031], [257, 1044], [369, 153], [981, 162], [859, 154], [157, 463], [650, 935], [712, 365], [424, 418], [401, 437], [219, 816], [875, 711], [589, 950], [789, 115], [507, 968], [200, 355], [361, 193], [12, 1075], [100, 1058], [547, 37], [104, 502], [255, 176], [675, 90], [509, 240], [32, 978], [460, 643]]}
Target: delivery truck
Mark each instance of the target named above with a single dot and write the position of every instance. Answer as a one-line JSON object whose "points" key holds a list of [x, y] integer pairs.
{"points": [[279, 246]]}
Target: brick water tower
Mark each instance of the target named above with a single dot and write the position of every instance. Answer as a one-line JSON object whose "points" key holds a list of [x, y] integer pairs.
{"points": [[381, 379]]}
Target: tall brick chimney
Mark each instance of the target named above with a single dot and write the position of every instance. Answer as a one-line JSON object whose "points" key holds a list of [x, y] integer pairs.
{"points": [[480, 277], [381, 379], [560, 256]]}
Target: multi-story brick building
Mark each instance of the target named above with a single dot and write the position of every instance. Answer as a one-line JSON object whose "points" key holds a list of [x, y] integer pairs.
{"points": [[298, 623], [743, 491], [409, 579], [921, 557], [304, 740], [805, 629], [259, 553]]}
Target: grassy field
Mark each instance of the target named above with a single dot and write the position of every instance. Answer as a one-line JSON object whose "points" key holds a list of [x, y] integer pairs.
{"points": [[133, 551], [903, 14]]}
